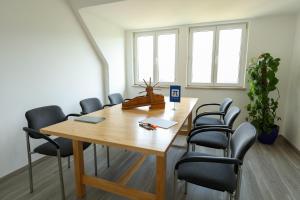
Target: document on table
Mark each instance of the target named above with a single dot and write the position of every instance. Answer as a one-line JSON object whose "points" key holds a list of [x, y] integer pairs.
{"points": [[162, 123], [90, 119]]}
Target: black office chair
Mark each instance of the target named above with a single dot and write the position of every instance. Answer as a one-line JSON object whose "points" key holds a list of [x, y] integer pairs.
{"points": [[202, 119], [116, 98], [214, 139], [91, 105], [218, 173], [42, 117]]}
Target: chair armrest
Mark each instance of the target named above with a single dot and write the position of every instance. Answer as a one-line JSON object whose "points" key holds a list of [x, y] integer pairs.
{"points": [[72, 115], [209, 126], [212, 159], [206, 114], [108, 105], [196, 131], [32, 131], [207, 104]]}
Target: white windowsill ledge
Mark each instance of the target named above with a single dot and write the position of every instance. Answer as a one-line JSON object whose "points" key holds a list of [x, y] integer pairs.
{"points": [[202, 87]]}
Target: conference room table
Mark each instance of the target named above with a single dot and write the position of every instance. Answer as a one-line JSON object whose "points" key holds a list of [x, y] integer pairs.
{"points": [[121, 129]]}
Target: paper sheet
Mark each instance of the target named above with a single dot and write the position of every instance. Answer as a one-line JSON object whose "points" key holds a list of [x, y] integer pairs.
{"points": [[162, 123]]}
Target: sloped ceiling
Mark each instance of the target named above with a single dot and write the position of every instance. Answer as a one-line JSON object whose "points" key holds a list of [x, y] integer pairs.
{"points": [[136, 14]]}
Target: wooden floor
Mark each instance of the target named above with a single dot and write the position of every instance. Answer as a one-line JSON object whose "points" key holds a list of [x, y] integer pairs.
{"points": [[270, 172]]}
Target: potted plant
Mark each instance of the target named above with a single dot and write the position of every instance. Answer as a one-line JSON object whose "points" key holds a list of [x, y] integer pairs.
{"points": [[264, 94]]}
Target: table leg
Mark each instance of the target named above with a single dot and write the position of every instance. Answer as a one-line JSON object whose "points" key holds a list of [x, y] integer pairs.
{"points": [[190, 120], [78, 168], [160, 177]]}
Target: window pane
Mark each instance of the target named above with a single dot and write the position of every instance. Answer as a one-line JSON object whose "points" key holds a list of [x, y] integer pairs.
{"points": [[166, 57], [202, 56], [229, 56], [145, 57]]}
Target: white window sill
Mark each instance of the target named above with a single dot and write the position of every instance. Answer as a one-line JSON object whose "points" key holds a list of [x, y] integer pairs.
{"points": [[201, 87], [216, 87]]}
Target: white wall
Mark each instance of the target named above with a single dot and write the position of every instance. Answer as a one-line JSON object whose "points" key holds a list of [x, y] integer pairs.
{"points": [[292, 128], [271, 34], [110, 39], [45, 59]]}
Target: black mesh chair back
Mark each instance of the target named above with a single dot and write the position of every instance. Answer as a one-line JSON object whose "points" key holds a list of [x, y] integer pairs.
{"points": [[44, 116], [242, 139], [225, 105], [231, 116], [90, 105], [115, 98]]}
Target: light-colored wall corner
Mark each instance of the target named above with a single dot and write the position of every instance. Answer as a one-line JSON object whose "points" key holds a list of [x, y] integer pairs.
{"points": [[45, 59], [108, 40], [269, 34], [292, 125], [75, 6]]}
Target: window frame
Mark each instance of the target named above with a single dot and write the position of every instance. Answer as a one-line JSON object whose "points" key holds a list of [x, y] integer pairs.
{"points": [[155, 34], [243, 52]]}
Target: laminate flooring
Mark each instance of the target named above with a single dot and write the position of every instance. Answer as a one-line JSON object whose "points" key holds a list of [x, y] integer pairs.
{"points": [[269, 173]]}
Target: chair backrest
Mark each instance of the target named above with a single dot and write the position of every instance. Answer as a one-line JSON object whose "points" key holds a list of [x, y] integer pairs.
{"points": [[242, 139], [44, 116], [90, 105], [231, 116], [115, 98], [225, 105]]}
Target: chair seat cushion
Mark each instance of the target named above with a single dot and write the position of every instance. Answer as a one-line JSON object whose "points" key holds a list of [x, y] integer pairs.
{"points": [[213, 139], [215, 176], [66, 148], [208, 121]]}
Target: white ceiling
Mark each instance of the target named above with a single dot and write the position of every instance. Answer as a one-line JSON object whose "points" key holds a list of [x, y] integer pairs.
{"points": [[137, 14]]}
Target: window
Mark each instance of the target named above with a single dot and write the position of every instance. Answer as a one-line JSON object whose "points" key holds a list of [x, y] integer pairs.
{"points": [[155, 56], [217, 56]]}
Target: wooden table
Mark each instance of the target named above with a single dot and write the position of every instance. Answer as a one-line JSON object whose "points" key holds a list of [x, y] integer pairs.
{"points": [[121, 129]]}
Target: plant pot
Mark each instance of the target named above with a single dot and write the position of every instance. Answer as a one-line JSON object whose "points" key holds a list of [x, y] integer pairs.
{"points": [[269, 138]]}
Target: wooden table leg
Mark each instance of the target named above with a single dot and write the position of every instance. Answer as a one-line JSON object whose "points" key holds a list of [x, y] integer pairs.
{"points": [[160, 177], [78, 168], [190, 120]]}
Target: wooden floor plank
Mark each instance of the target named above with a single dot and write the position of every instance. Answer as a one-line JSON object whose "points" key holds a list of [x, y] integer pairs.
{"points": [[270, 173], [117, 188]]}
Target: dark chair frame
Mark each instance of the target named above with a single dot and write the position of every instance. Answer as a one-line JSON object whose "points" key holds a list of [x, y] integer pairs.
{"points": [[221, 114], [238, 163], [94, 144], [39, 135], [198, 129]]}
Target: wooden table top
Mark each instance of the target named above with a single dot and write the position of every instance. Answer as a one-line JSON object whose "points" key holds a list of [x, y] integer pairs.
{"points": [[121, 128]]}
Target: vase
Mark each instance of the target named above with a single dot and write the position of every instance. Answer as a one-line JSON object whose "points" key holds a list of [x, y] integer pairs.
{"points": [[269, 138]]}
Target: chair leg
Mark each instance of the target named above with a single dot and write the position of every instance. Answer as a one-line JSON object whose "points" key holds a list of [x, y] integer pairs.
{"points": [[185, 187], [69, 162], [226, 152], [29, 164], [107, 156], [95, 159], [239, 182], [175, 185], [193, 147], [61, 175], [232, 196]]}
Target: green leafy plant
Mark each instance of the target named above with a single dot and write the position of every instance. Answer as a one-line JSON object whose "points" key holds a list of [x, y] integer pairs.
{"points": [[263, 92]]}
